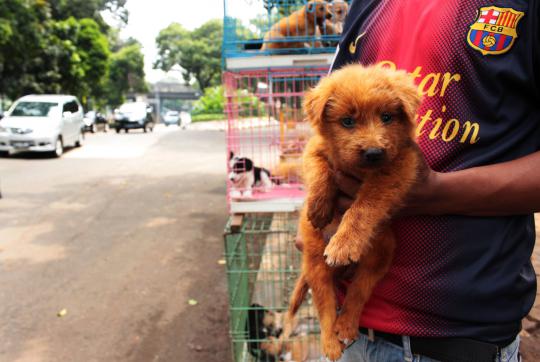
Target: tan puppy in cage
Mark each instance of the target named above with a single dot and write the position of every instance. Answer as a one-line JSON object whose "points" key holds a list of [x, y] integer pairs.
{"points": [[364, 122], [338, 10], [301, 23]]}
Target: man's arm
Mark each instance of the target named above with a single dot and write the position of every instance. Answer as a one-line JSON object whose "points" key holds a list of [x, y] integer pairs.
{"points": [[509, 188]]}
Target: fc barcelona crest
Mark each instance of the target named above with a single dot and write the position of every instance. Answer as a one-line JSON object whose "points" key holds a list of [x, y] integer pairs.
{"points": [[494, 31]]}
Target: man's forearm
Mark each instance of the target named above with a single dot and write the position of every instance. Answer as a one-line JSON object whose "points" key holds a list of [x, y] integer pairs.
{"points": [[509, 188]]}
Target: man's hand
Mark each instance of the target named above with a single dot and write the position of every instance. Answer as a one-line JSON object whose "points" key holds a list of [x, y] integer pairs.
{"points": [[509, 188]]}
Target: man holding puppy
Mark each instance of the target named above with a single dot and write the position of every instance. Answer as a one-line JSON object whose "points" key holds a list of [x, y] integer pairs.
{"points": [[461, 280]]}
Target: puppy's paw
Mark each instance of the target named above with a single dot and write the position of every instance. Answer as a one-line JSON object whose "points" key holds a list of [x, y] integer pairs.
{"points": [[346, 329], [320, 212], [341, 251], [332, 347]]}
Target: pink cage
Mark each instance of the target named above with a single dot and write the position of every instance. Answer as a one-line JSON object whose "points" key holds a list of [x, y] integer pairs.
{"points": [[266, 135]]}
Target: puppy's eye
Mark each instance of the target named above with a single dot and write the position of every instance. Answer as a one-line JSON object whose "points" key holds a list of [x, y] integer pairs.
{"points": [[348, 122], [386, 117]]}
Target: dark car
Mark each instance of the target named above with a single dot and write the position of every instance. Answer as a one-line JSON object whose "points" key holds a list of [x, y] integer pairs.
{"points": [[93, 121], [133, 115]]}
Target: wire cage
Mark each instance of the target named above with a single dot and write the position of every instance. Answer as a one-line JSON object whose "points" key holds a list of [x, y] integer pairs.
{"points": [[266, 135], [270, 27], [262, 268]]}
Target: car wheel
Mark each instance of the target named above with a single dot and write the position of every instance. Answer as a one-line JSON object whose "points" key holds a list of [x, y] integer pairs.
{"points": [[80, 140], [126, 130], [58, 147], [4, 153]]}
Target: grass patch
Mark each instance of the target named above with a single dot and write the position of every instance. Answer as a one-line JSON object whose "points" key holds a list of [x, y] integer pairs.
{"points": [[208, 117]]}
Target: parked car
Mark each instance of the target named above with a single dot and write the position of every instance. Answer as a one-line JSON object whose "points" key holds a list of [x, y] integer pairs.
{"points": [[133, 115], [94, 121], [42, 123], [171, 117]]}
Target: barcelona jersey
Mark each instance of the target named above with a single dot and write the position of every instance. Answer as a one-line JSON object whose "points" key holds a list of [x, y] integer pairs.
{"points": [[477, 65]]}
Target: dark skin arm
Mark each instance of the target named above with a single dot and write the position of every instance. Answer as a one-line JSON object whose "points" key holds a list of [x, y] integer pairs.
{"points": [[508, 188]]}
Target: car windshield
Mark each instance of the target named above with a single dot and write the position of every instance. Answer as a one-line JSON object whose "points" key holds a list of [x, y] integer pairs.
{"points": [[35, 109], [133, 108]]}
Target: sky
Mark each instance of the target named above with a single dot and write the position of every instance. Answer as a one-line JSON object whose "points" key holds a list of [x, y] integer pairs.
{"points": [[148, 17]]}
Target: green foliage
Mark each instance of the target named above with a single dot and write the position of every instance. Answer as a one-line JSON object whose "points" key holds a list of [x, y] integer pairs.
{"points": [[126, 73], [197, 51], [211, 102], [208, 117], [249, 105], [79, 9], [63, 46], [81, 53]]}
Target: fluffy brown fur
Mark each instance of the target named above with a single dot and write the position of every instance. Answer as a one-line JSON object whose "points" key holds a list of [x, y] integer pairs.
{"points": [[381, 104], [302, 22]]}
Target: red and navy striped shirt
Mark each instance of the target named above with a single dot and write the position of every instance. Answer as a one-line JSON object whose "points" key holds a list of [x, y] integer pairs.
{"points": [[477, 63]]}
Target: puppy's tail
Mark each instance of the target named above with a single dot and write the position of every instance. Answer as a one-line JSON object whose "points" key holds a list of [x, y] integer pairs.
{"points": [[297, 297]]}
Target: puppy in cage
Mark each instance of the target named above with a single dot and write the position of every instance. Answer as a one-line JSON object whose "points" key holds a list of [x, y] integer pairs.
{"points": [[301, 23], [364, 125], [244, 176], [338, 10], [267, 342]]}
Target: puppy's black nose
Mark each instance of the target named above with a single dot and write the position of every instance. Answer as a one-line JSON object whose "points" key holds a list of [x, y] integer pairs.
{"points": [[374, 156]]}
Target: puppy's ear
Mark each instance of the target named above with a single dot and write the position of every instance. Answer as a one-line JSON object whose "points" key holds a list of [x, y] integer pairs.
{"points": [[408, 94], [248, 165], [315, 102]]}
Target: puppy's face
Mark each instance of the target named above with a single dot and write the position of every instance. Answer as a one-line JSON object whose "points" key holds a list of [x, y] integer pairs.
{"points": [[366, 115], [239, 166], [319, 9], [337, 11]]}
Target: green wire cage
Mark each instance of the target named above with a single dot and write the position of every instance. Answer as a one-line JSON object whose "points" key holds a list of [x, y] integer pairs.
{"points": [[262, 268]]}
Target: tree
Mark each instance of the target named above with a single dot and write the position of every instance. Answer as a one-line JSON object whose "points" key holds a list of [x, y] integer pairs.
{"points": [[126, 73], [43, 49], [22, 40], [81, 52], [197, 51], [79, 9]]}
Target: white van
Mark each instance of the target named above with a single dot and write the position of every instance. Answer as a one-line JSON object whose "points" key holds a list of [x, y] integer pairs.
{"points": [[42, 123]]}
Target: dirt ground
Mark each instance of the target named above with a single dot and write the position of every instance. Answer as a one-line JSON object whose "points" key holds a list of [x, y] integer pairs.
{"points": [[121, 235]]}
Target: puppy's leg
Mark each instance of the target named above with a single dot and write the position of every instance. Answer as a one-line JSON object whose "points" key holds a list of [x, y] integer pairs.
{"points": [[368, 273], [266, 182], [374, 203], [320, 278], [322, 189]]}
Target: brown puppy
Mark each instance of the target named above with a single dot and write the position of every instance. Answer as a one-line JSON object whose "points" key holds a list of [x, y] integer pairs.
{"points": [[301, 23], [334, 25], [363, 118]]}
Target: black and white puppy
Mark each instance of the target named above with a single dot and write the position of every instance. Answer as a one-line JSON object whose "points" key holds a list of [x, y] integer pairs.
{"points": [[264, 342], [244, 176]]}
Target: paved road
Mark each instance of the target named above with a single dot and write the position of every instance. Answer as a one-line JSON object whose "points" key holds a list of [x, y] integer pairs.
{"points": [[120, 233]]}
